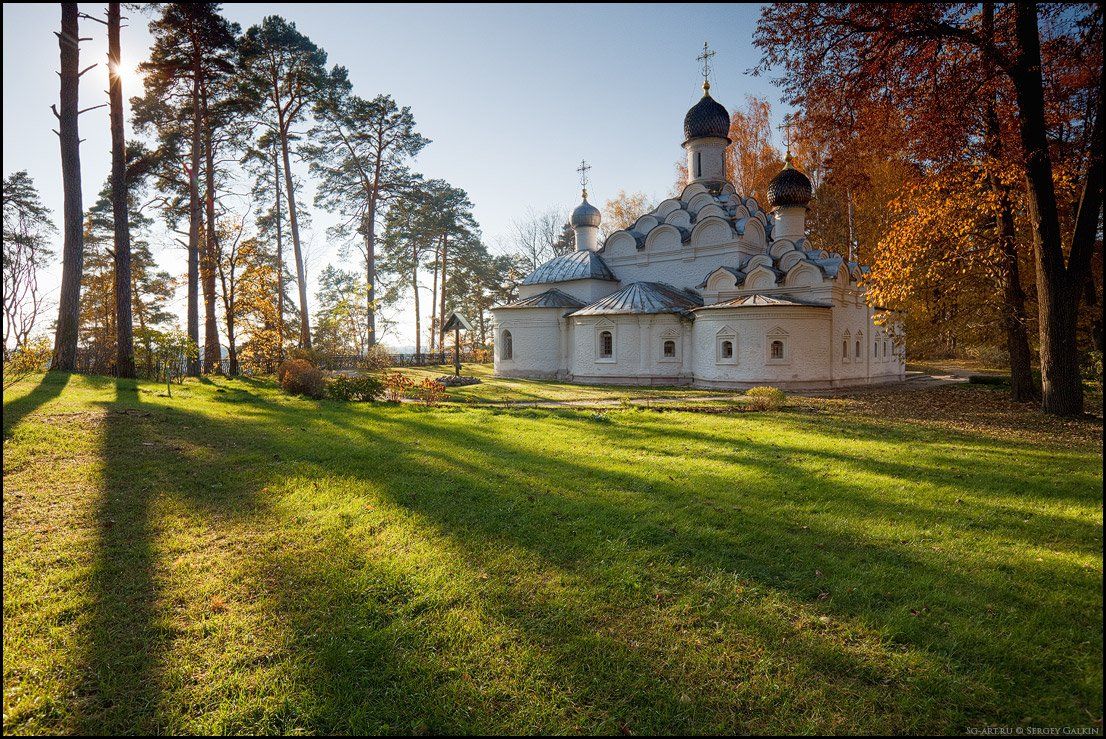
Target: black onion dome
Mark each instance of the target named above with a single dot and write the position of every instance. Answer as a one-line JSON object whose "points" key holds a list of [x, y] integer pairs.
{"points": [[585, 214], [707, 117], [789, 187]]}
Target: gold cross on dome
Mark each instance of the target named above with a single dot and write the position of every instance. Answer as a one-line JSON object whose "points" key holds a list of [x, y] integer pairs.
{"points": [[786, 126], [704, 58], [583, 170]]}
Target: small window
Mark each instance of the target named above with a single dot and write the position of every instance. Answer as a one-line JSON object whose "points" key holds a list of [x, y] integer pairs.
{"points": [[508, 350], [777, 350], [606, 344], [858, 348], [885, 348], [669, 348], [698, 164], [845, 349], [727, 350], [875, 349]]}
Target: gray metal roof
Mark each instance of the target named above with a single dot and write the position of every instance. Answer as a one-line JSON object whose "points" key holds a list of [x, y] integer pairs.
{"points": [[644, 297], [738, 275], [577, 265], [552, 298], [757, 300]]}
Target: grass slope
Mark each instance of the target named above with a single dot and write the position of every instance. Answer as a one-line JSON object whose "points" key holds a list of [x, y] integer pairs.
{"points": [[232, 560]]}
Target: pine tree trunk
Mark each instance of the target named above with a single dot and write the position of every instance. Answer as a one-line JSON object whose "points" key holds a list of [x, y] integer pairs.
{"points": [[194, 215], [1062, 386], [370, 271], [301, 277], [279, 255], [69, 301], [212, 353], [415, 293], [434, 303], [124, 323], [445, 261]]}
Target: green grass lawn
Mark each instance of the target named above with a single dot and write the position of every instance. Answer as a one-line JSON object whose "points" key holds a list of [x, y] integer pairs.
{"points": [[233, 560], [513, 390]]}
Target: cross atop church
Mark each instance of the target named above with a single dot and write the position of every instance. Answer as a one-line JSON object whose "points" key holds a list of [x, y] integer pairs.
{"points": [[786, 126], [583, 170], [704, 59]]}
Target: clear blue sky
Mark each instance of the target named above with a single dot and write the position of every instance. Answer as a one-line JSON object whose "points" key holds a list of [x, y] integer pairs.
{"points": [[512, 96]]}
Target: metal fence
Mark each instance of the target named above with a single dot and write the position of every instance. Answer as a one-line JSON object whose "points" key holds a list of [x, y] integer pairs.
{"points": [[421, 359]]}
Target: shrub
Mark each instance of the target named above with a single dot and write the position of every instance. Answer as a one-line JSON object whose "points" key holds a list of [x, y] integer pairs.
{"points": [[429, 391], [26, 359], [765, 398], [376, 359], [361, 388], [300, 377], [396, 386]]}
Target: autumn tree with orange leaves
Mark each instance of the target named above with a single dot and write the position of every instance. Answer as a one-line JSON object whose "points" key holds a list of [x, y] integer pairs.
{"points": [[977, 83]]}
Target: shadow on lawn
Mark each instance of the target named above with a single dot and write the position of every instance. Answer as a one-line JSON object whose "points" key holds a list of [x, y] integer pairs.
{"points": [[48, 388], [370, 645]]}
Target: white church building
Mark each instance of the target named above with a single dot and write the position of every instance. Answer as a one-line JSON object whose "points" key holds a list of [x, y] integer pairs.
{"points": [[707, 290]]}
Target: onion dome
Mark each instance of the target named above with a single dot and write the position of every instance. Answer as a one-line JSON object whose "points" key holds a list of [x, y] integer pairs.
{"points": [[585, 214], [707, 118], [789, 187]]}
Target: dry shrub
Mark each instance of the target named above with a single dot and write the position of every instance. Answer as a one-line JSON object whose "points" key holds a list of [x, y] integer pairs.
{"points": [[396, 386], [300, 377], [376, 359], [429, 391], [765, 398]]}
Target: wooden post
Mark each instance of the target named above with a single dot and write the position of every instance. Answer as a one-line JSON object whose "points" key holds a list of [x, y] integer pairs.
{"points": [[457, 351]]}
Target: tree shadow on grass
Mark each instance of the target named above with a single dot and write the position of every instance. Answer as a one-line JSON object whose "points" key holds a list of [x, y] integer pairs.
{"points": [[48, 388], [368, 639]]}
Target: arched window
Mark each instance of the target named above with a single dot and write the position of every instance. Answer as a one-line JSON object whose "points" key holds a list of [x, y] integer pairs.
{"points": [[727, 349], [698, 164], [858, 348], [507, 351], [777, 349], [885, 348], [669, 348], [845, 349], [875, 349], [606, 344]]}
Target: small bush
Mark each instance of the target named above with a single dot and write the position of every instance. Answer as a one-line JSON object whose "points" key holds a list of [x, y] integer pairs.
{"points": [[376, 359], [765, 398], [300, 377], [26, 359], [396, 386], [429, 391], [359, 389]]}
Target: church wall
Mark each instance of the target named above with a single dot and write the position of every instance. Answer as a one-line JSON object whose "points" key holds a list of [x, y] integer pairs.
{"points": [[638, 350], [675, 263], [806, 360], [538, 344], [853, 322]]}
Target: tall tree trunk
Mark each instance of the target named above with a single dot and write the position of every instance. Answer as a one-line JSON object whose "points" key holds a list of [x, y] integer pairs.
{"points": [[434, 302], [441, 307], [370, 271], [212, 353], [1022, 387], [293, 221], [415, 293], [194, 214], [1058, 294], [124, 324], [279, 254], [69, 301]]}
